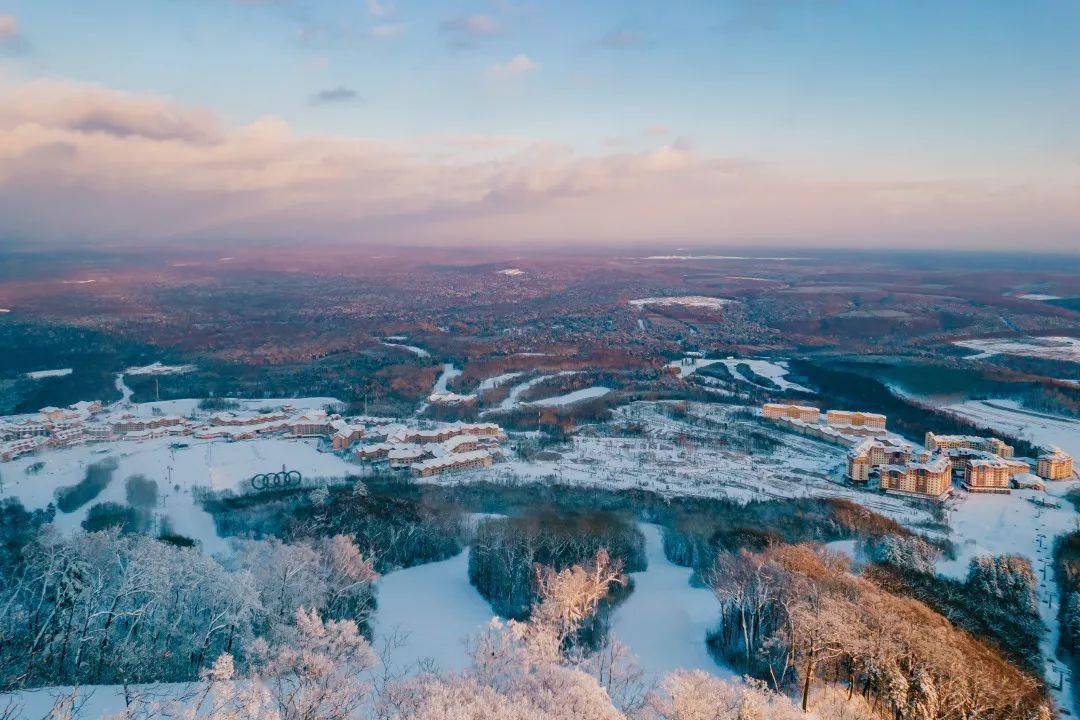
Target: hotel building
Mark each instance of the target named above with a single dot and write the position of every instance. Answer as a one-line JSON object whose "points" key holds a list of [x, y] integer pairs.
{"points": [[782, 411], [968, 442], [931, 479], [1054, 465]]}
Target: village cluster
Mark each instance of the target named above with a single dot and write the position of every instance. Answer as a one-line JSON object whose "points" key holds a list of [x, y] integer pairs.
{"points": [[978, 464], [424, 452]]}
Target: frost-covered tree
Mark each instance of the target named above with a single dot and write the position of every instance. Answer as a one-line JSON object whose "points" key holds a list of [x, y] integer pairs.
{"points": [[1004, 579], [906, 552]]}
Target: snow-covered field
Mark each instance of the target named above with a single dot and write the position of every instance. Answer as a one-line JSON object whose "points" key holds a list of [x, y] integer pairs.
{"points": [[1051, 348], [689, 457], [570, 398], [429, 611], [1008, 416], [1038, 296], [40, 374], [417, 351], [774, 370], [514, 397], [701, 301], [1010, 524], [205, 464], [665, 619], [157, 368]]}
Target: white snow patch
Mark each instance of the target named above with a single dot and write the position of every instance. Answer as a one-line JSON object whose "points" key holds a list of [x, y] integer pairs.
{"points": [[157, 368], [1051, 348], [432, 609], [665, 619], [512, 272], [573, 397], [39, 374], [714, 303], [417, 351], [493, 382], [210, 464], [1038, 296]]}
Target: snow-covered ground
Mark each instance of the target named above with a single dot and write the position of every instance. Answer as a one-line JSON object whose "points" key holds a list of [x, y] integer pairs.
{"points": [[697, 458], [665, 619], [40, 374], [493, 382], [157, 368], [418, 351], [206, 464], [1038, 296], [774, 370], [514, 397], [1052, 348], [700, 301], [999, 524], [511, 272], [570, 398], [430, 610], [1008, 416]]}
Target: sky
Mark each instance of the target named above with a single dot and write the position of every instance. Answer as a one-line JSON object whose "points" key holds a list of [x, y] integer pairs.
{"points": [[893, 123]]}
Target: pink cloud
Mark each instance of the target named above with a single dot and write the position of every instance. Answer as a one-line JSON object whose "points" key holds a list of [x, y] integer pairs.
{"points": [[90, 163]]}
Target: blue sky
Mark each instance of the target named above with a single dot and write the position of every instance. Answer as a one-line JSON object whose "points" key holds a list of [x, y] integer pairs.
{"points": [[891, 91]]}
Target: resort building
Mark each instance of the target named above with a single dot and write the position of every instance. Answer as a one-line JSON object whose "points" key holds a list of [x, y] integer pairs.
{"points": [[233, 420], [130, 423], [1054, 465], [872, 453], [14, 448], [969, 442], [453, 462], [313, 423], [990, 474], [345, 434], [854, 419], [782, 411], [930, 479]]}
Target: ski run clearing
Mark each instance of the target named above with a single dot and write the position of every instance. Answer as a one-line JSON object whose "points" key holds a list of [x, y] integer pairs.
{"points": [[42, 374], [1050, 348], [574, 397], [775, 370]]}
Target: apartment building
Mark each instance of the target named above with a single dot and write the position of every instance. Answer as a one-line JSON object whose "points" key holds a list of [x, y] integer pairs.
{"points": [[452, 463], [1054, 465], [132, 424], [990, 474], [969, 442], [783, 411], [931, 479], [234, 420], [313, 423], [345, 434], [873, 453], [854, 419], [21, 446]]}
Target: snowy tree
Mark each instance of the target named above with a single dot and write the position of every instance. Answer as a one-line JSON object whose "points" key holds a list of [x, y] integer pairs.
{"points": [[1006, 579]]}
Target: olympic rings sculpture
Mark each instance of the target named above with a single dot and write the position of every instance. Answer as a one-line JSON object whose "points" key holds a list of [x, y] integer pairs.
{"points": [[276, 480]]}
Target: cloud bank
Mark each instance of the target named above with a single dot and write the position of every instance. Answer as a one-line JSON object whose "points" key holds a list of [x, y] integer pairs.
{"points": [[87, 163]]}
